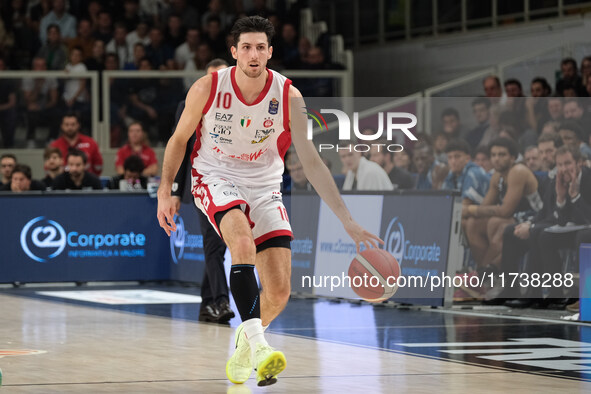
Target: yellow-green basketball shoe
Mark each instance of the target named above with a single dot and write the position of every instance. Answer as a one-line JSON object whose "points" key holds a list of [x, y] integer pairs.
{"points": [[268, 364], [239, 366]]}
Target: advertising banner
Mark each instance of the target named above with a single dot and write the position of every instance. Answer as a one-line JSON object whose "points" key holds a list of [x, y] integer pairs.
{"points": [[88, 238], [186, 246]]}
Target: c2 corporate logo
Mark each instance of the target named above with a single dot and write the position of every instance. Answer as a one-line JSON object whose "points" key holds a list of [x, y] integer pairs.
{"points": [[403, 250], [43, 239], [344, 122], [183, 244]]}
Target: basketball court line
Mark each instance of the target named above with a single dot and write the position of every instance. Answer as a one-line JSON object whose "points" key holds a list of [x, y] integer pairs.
{"points": [[501, 369], [525, 318]]}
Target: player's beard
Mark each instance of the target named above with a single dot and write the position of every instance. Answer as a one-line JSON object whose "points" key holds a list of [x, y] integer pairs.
{"points": [[250, 73]]}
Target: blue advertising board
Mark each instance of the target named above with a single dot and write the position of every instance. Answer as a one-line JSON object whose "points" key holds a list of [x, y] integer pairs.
{"points": [[186, 246], [96, 237]]}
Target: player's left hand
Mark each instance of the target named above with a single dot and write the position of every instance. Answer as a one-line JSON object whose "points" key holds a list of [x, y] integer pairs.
{"points": [[361, 235], [166, 211]]}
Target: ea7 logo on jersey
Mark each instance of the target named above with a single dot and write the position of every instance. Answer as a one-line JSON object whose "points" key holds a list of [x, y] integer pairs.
{"points": [[221, 129], [221, 117]]}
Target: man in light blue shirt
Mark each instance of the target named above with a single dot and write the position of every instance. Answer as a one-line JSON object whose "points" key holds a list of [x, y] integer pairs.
{"points": [[60, 17], [464, 175]]}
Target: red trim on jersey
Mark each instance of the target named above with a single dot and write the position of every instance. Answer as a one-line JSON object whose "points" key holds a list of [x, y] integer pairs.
{"points": [[195, 153], [272, 234], [214, 87], [284, 140], [239, 93]]}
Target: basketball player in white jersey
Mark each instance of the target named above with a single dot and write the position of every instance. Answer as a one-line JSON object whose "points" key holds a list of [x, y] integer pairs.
{"points": [[244, 127]]}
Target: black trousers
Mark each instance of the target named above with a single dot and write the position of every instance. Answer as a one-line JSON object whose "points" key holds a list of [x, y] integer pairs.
{"points": [[214, 286], [514, 249]]}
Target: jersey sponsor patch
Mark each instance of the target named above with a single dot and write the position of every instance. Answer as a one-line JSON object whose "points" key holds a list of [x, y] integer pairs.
{"points": [[273, 106], [222, 129], [245, 121], [268, 123], [222, 117]]}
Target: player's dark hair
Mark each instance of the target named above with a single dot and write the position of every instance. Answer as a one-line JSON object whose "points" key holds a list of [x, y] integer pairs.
{"points": [[77, 153], [457, 145], [510, 145], [252, 24], [23, 169], [134, 163]]}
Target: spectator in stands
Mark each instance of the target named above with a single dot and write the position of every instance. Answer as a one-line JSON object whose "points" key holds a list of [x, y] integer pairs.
{"points": [[362, 174], [585, 68], [568, 199], [587, 81], [72, 139], [174, 34], [35, 12], [188, 13], [58, 16], [555, 108], [573, 109], [53, 165], [139, 52], [431, 173], [131, 178], [403, 160], [137, 146], [464, 175], [8, 107], [513, 88], [482, 159], [103, 30], [214, 36], [536, 107], [187, 50], [481, 111], [75, 96], [160, 54], [53, 51], [550, 127], [573, 135], [532, 158], [286, 50], [21, 180], [97, 61], [440, 140], [512, 197], [93, 10], [450, 119], [510, 123], [570, 77], [76, 177], [7, 164], [41, 100], [119, 45], [215, 8], [6, 38], [540, 87], [400, 179], [547, 146], [25, 37], [296, 173], [130, 17], [140, 34], [84, 39], [259, 7], [492, 88]]}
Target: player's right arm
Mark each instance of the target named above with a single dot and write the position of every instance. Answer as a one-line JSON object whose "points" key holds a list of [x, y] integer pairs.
{"points": [[175, 149]]}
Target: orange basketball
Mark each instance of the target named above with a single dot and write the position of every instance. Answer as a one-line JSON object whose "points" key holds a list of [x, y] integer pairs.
{"points": [[369, 272]]}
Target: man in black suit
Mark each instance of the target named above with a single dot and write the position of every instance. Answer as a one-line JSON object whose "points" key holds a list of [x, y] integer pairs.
{"points": [[568, 200]]}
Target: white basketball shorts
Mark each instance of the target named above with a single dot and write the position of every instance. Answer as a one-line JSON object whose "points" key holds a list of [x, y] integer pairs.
{"points": [[263, 206]]}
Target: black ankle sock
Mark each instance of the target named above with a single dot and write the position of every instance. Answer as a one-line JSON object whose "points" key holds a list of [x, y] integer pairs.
{"points": [[244, 287]]}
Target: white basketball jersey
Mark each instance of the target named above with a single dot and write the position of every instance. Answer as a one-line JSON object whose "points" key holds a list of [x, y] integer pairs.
{"points": [[243, 143]]}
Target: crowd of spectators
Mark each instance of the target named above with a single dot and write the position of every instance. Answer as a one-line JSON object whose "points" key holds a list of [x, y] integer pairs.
{"points": [[79, 36]]}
